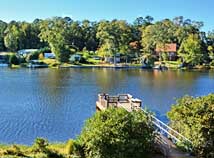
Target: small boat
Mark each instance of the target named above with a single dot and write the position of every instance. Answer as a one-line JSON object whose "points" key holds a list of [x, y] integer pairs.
{"points": [[160, 67], [37, 64]]}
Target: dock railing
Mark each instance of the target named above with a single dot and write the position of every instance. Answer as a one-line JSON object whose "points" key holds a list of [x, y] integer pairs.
{"points": [[127, 102], [164, 130]]}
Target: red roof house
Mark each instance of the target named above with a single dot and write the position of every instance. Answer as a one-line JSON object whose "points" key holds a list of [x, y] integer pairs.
{"points": [[170, 49]]}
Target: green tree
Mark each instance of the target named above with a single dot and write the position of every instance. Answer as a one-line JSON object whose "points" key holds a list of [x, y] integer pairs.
{"points": [[193, 118], [3, 27], [11, 38], [158, 34], [56, 32], [113, 36], [117, 133], [191, 50]]}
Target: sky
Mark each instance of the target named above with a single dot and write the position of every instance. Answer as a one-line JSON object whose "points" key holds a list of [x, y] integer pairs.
{"points": [[95, 10]]}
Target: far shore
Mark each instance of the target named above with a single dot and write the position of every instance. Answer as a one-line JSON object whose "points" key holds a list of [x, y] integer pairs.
{"points": [[119, 66]]}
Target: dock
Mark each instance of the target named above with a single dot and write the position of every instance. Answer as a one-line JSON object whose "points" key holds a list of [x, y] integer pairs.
{"points": [[166, 138]]}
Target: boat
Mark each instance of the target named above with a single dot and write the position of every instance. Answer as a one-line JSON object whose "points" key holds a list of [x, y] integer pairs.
{"points": [[160, 67], [37, 64]]}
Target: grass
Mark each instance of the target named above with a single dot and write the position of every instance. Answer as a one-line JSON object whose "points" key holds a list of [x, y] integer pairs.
{"points": [[172, 64], [17, 151]]}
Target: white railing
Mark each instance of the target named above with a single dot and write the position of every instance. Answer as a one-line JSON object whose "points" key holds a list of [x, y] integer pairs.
{"points": [[164, 129]]}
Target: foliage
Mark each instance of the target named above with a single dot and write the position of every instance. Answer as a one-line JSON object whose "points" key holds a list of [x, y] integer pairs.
{"points": [[64, 37], [117, 133], [191, 50], [32, 56], [73, 147], [113, 36], [14, 60], [193, 118], [55, 32], [148, 60], [15, 151], [41, 146], [3, 26], [22, 35]]}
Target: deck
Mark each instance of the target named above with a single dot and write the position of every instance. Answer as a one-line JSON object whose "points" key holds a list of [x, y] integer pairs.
{"points": [[166, 145]]}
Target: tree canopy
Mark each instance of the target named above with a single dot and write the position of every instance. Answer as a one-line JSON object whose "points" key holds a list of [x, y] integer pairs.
{"points": [[65, 36], [117, 133], [193, 118]]}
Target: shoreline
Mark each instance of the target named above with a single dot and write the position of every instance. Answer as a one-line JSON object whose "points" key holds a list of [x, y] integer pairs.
{"points": [[115, 67]]}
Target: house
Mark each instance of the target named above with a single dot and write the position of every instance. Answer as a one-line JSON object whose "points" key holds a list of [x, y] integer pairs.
{"points": [[49, 55], [25, 52], [170, 49], [113, 59]]}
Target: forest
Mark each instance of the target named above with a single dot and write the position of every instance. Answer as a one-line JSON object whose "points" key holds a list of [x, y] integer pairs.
{"points": [[136, 41]]}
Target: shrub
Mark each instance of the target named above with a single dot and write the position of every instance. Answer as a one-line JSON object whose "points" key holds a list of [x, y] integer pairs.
{"points": [[14, 60], [70, 147], [15, 151], [117, 133], [32, 56], [73, 147], [194, 118], [40, 146]]}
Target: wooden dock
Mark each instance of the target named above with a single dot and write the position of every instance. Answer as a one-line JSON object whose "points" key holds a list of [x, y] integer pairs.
{"points": [[125, 101], [167, 146]]}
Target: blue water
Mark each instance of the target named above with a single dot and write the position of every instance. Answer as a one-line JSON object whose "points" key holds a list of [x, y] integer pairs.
{"points": [[54, 103]]}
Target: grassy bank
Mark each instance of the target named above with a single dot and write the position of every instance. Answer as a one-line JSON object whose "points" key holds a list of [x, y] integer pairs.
{"points": [[52, 150]]}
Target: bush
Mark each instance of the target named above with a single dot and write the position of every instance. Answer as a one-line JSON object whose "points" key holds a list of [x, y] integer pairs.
{"points": [[14, 60], [32, 56], [117, 133], [194, 118], [74, 148], [41, 146], [15, 151]]}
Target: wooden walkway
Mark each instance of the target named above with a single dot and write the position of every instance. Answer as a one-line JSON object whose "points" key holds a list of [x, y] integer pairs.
{"points": [[126, 101]]}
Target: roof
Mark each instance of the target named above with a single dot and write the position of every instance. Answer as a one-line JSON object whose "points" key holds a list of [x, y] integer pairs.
{"points": [[172, 47]]}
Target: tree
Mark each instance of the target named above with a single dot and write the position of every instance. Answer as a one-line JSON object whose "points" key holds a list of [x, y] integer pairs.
{"points": [[158, 34], [113, 36], [12, 37], [193, 118], [56, 32], [191, 51], [3, 26], [117, 133], [22, 35], [89, 35]]}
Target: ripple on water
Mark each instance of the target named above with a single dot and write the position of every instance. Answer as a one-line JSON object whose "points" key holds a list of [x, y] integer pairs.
{"points": [[54, 103]]}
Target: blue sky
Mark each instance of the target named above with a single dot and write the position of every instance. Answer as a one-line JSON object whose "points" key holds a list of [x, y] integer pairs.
{"points": [[28, 10]]}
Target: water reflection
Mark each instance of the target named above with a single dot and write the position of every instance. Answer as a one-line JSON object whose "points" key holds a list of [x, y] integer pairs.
{"points": [[54, 103]]}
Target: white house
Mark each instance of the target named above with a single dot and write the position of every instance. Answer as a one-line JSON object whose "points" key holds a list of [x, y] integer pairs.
{"points": [[111, 59]]}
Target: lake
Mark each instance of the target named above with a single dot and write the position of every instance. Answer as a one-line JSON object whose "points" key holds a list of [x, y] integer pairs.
{"points": [[54, 103]]}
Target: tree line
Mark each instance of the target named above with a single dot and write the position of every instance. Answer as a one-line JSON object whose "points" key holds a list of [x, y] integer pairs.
{"points": [[65, 36]]}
